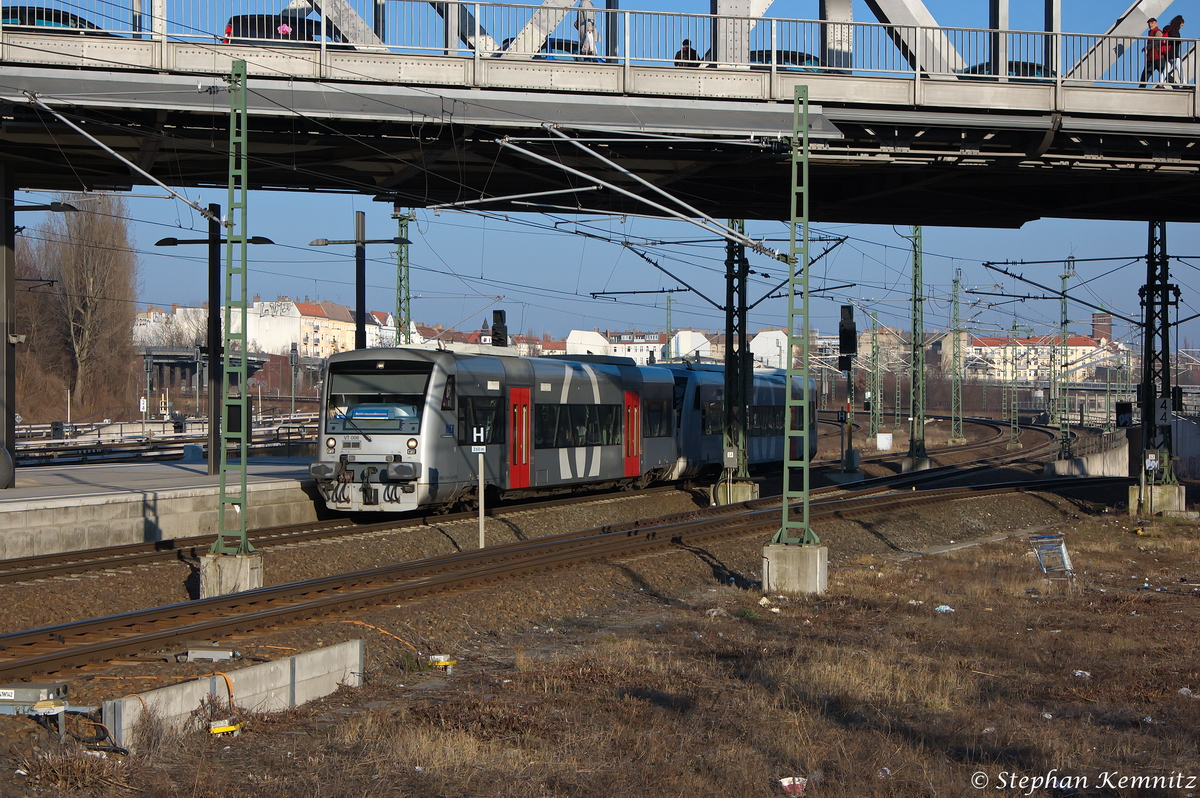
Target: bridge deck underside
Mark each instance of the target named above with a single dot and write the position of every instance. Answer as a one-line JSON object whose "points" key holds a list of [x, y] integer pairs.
{"points": [[931, 166]]}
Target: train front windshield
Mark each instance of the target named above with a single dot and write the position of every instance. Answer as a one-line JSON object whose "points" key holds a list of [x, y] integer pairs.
{"points": [[377, 397]]}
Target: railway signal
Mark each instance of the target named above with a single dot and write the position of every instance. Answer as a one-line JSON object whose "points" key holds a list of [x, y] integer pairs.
{"points": [[847, 349], [499, 328]]}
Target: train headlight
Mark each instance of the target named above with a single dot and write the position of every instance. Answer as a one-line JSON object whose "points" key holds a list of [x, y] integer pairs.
{"points": [[330, 443], [412, 443]]}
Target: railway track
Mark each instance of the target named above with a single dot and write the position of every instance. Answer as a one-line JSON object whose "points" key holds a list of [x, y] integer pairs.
{"points": [[1001, 432], [26, 569], [70, 645], [43, 566]]}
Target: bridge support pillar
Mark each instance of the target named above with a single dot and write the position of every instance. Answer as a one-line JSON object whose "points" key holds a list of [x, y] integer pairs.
{"points": [[360, 280], [998, 22], [837, 39], [214, 341], [731, 37], [1053, 27], [8, 346]]}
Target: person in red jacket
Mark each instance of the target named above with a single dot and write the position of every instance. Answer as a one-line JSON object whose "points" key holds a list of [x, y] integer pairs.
{"points": [[1154, 56]]}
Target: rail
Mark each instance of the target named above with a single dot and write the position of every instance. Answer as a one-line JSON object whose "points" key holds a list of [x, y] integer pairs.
{"points": [[74, 644], [71, 562], [626, 38]]}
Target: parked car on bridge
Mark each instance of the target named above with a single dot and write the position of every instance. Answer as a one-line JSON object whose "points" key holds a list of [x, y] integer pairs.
{"points": [[48, 20], [280, 30], [786, 60], [554, 49], [1023, 71]]}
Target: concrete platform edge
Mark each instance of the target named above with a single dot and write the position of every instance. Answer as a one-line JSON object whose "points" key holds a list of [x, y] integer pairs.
{"points": [[123, 516], [118, 495], [269, 687]]}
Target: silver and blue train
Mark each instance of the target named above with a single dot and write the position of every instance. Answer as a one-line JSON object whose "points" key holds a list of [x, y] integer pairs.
{"points": [[402, 428]]}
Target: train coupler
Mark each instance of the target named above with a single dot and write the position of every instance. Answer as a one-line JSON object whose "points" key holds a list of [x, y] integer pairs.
{"points": [[370, 495]]}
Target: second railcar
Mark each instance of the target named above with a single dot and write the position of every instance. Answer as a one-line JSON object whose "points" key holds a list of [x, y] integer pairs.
{"points": [[699, 401]]}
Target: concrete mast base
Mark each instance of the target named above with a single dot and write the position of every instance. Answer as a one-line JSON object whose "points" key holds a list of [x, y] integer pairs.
{"points": [[226, 574], [1156, 499], [795, 569]]}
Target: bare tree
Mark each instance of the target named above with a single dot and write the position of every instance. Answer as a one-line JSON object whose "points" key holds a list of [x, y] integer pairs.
{"points": [[181, 330], [84, 320]]}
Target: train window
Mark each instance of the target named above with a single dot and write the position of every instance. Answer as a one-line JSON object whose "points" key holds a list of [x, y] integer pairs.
{"points": [[545, 426], [680, 390], [610, 425], [566, 426], [480, 411], [448, 393], [656, 419], [381, 402], [766, 421], [712, 418], [379, 382], [584, 424]]}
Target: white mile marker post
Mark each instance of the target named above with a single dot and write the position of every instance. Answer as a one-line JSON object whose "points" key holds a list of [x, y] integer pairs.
{"points": [[477, 437]]}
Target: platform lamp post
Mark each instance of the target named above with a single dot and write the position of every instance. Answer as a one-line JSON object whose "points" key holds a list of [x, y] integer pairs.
{"points": [[293, 361], [360, 242], [213, 333], [199, 346], [9, 338]]}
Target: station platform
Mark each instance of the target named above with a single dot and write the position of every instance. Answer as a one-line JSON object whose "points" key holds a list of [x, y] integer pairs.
{"points": [[72, 507]]}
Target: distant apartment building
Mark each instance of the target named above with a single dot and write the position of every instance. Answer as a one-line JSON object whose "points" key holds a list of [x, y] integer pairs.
{"points": [[643, 348], [319, 329], [551, 347], [768, 347], [1031, 359]]}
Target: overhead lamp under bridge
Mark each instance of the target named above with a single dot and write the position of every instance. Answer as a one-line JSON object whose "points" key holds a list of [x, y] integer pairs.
{"points": [[213, 327], [360, 242]]}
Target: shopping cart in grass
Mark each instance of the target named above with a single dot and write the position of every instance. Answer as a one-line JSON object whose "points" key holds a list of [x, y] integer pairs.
{"points": [[1052, 556]]}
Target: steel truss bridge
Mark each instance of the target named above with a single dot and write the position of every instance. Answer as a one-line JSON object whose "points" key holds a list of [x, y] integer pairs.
{"points": [[431, 103]]}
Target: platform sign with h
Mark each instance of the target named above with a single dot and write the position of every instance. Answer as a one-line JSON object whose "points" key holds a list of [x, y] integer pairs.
{"points": [[478, 436]]}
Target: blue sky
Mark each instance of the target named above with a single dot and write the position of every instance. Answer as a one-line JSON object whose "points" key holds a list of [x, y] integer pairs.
{"points": [[546, 274]]}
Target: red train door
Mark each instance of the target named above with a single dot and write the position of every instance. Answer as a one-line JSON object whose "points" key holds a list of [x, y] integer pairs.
{"points": [[633, 434], [521, 444]]}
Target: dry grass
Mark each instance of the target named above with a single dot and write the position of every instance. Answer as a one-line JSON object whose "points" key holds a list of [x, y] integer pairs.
{"points": [[74, 769], [868, 691]]}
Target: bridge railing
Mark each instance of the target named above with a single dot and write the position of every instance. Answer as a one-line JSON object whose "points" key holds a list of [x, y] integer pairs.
{"points": [[651, 38]]}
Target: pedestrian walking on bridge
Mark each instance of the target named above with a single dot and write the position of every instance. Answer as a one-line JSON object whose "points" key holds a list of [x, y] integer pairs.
{"points": [[585, 23], [1154, 52], [1171, 70], [686, 55]]}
